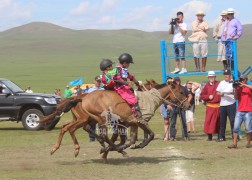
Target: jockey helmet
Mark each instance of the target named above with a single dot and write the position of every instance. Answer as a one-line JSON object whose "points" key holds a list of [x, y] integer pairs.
{"points": [[125, 57], [105, 63]]}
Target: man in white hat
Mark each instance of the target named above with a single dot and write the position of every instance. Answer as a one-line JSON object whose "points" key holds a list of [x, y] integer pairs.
{"points": [[217, 32], [232, 31], [199, 37], [212, 100]]}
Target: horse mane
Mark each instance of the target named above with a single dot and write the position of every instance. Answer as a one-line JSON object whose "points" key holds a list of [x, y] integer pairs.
{"points": [[159, 86]]}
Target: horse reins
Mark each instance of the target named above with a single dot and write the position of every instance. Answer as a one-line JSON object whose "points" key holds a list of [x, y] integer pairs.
{"points": [[181, 102]]}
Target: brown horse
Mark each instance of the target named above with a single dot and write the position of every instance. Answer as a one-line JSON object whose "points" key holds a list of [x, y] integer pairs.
{"points": [[94, 104]]}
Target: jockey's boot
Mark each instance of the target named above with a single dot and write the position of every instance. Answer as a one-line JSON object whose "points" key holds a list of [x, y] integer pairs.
{"points": [[138, 114]]}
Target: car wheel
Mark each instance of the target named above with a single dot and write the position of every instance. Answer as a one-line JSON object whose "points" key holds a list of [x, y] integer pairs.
{"points": [[30, 117]]}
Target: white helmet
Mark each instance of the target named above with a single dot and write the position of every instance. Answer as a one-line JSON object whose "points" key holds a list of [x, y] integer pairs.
{"points": [[211, 74]]}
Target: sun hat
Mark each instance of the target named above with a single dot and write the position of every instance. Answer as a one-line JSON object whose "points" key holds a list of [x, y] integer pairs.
{"points": [[200, 13], [244, 76], [97, 78], [227, 72], [224, 13], [211, 74], [230, 11]]}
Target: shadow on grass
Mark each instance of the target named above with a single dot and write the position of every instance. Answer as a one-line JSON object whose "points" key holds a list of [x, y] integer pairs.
{"points": [[12, 129], [133, 160]]}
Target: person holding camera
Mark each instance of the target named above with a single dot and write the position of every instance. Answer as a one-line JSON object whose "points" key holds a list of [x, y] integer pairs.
{"points": [[199, 38], [244, 112], [227, 104], [178, 30]]}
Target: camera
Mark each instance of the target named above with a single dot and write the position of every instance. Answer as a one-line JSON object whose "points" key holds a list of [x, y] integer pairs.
{"points": [[237, 82], [174, 21]]}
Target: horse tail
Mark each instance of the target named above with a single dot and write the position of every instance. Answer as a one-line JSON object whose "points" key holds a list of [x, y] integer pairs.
{"points": [[63, 107]]}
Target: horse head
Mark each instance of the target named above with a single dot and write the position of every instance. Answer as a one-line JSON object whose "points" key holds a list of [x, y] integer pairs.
{"points": [[177, 95], [173, 94], [151, 83]]}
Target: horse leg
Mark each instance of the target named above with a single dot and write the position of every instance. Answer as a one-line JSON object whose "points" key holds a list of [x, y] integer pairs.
{"points": [[87, 127], [64, 129], [113, 139], [149, 132], [79, 123], [133, 136]]}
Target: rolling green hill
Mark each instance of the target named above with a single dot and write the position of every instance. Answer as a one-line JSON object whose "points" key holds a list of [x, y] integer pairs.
{"points": [[46, 56]]}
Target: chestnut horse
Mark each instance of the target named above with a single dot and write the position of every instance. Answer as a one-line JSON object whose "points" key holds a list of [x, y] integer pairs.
{"points": [[88, 108]]}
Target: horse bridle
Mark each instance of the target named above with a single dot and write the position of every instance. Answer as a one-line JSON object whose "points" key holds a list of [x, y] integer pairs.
{"points": [[173, 104], [167, 101]]}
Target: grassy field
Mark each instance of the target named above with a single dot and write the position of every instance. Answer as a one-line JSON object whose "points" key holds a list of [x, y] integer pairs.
{"points": [[25, 155], [46, 57]]}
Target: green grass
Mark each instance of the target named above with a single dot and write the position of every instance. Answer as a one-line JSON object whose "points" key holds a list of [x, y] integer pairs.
{"points": [[46, 57], [25, 155]]}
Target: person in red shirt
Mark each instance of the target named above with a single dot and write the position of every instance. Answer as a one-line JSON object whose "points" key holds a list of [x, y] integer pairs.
{"points": [[209, 95], [244, 113]]}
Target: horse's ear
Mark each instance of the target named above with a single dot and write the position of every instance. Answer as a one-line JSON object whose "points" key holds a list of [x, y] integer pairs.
{"points": [[153, 81], [148, 82]]}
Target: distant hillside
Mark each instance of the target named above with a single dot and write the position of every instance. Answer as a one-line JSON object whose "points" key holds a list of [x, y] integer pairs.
{"points": [[55, 55]]}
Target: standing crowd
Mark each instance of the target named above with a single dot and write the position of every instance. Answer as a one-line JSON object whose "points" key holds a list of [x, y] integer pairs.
{"points": [[226, 30]]}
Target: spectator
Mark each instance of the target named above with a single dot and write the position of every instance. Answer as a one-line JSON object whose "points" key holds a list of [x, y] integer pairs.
{"points": [[232, 31], [217, 32], [165, 113], [86, 90], [191, 87], [97, 86], [212, 100], [57, 92], [177, 111], [244, 113], [180, 30], [77, 90], [197, 96], [199, 37], [227, 104], [28, 90], [67, 92]]}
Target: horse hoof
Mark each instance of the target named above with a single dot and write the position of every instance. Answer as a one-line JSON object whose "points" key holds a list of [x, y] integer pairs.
{"points": [[132, 146], [103, 149], [125, 155], [76, 153], [53, 151], [105, 161]]}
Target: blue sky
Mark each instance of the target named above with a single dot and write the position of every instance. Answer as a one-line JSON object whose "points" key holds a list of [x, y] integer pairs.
{"points": [[147, 15]]}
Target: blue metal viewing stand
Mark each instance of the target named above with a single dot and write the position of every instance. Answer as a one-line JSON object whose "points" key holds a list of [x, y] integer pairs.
{"points": [[167, 54]]}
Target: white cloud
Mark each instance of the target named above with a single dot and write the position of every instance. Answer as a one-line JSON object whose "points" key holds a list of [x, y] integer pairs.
{"points": [[13, 13], [190, 8], [10, 9], [107, 4], [80, 9], [140, 14]]}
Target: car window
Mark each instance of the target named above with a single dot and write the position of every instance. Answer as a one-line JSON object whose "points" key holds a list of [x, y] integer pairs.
{"points": [[13, 87]]}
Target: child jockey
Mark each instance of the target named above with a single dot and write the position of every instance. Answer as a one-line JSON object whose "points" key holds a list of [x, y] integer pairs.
{"points": [[117, 79]]}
